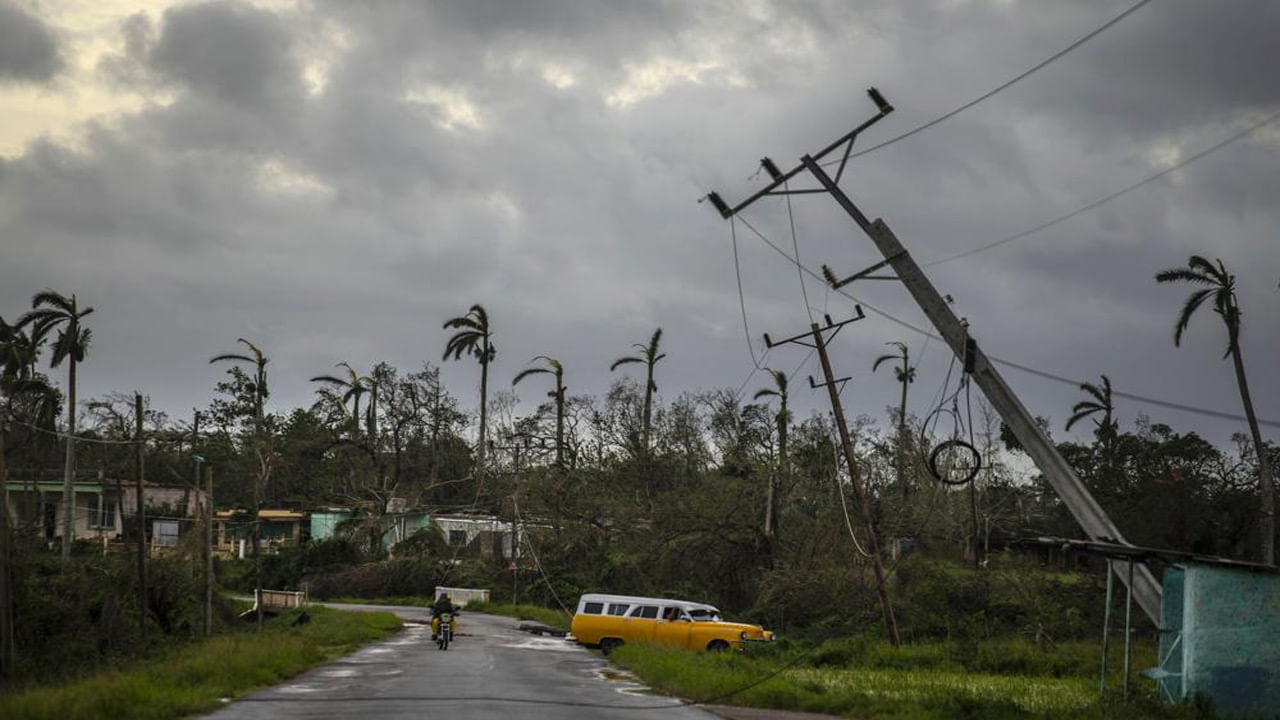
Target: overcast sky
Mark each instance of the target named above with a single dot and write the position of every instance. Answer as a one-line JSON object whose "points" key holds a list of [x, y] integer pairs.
{"points": [[333, 180]]}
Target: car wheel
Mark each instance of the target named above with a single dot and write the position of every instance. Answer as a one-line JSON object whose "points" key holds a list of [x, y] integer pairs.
{"points": [[608, 645], [717, 646]]}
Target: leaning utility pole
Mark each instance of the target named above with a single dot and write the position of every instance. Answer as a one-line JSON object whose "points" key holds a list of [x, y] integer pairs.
{"points": [[1057, 471], [141, 513], [819, 342]]}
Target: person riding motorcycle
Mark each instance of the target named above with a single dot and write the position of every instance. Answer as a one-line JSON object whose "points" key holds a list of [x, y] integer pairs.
{"points": [[441, 606]]}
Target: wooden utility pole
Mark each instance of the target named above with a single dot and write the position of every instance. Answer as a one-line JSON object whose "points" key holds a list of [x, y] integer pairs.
{"points": [[6, 572], [208, 550], [141, 513], [819, 342], [1057, 471]]}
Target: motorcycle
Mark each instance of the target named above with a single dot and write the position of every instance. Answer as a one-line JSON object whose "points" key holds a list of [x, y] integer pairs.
{"points": [[445, 635]]}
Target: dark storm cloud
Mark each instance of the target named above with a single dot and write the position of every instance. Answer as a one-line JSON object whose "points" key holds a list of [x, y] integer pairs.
{"points": [[28, 50], [230, 51], [545, 159]]}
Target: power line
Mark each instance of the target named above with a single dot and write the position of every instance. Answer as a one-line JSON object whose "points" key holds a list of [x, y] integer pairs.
{"points": [[742, 302], [1008, 363], [1104, 200], [1034, 68]]}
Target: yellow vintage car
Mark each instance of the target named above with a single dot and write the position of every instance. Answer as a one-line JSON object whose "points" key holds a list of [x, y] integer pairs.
{"points": [[607, 621]]}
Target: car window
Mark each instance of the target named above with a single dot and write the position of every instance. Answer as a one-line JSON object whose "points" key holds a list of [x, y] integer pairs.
{"points": [[645, 611], [593, 608], [618, 608]]}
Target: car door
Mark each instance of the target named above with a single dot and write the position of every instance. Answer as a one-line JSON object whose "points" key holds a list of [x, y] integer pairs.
{"points": [[672, 627], [639, 624]]}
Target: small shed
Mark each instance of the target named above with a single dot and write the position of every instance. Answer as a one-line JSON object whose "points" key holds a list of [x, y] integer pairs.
{"points": [[1219, 627]]}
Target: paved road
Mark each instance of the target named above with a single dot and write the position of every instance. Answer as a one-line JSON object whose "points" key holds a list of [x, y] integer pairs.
{"points": [[491, 671]]}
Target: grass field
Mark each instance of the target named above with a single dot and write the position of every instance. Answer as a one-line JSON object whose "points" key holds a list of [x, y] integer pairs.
{"points": [[196, 677], [928, 681]]}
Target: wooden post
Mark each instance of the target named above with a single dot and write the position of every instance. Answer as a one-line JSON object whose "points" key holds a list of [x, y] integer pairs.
{"points": [[141, 513], [864, 502], [208, 551], [6, 573]]}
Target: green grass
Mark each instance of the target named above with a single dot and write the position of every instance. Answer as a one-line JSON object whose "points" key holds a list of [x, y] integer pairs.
{"points": [[537, 613], [194, 678], [930, 681]]}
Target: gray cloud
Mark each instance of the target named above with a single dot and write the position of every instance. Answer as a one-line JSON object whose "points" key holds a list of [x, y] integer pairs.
{"points": [[28, 49], [348, 224]]}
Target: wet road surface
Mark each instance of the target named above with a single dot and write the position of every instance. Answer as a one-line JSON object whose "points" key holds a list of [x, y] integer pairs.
{"points": [[491, 671]]}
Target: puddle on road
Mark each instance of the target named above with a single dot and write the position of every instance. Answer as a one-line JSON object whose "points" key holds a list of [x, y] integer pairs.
{"points": [[628, 684], [552, 644]]}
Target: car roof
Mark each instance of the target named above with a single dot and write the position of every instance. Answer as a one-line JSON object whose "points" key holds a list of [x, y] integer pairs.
{"points": [[637, 600]]}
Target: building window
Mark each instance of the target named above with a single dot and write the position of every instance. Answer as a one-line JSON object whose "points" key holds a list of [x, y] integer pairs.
{"points": [[458, 538]]}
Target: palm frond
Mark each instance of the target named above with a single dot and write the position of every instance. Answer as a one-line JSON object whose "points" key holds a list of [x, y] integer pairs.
{"points": [[765, 392], [232, 357], [624, 361], [882, 359], [1184, 317], [53, 300], [529, 371], [1183, 275]]}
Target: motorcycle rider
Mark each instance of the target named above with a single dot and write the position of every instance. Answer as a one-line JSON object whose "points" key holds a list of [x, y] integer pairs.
{"points": [[441, 606]]}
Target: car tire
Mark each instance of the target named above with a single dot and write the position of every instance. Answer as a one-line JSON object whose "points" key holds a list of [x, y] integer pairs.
{"points": [[608, 645], [717, 646]]}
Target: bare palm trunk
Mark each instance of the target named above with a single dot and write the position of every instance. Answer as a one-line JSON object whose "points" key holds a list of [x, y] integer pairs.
{"points": [[484, 399], [559, 426], [1267, 524], [648, 408], [771, 494], [902, 432], [69, 466]]}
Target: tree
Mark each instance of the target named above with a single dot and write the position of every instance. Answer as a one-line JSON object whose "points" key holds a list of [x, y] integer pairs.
{"points": [[351, 388], [259, 388], [649, 357], [51, 310], [779, 390], [905, 374], [1219, 287], [475, 338], [1101, 403], [553, 368]]}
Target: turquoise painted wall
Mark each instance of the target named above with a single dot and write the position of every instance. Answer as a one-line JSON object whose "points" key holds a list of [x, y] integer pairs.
{"points": [[325, 523], [1230, 638]]}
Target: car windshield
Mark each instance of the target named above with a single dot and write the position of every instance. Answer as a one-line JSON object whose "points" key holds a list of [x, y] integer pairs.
{"points": [[704, 614]]}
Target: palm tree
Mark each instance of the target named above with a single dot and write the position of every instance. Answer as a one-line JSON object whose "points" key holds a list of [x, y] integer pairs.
{"points": [[351, 388], [1219, 286], [19, 352], [779, 390], [905, 374], [1101, 403], [475, 338], [51, 310], [553, 368], [649, 357], [258, 386]]}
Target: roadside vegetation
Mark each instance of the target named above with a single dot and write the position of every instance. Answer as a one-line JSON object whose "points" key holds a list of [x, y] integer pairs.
{"points": [[202, 675], [866, 678]]}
